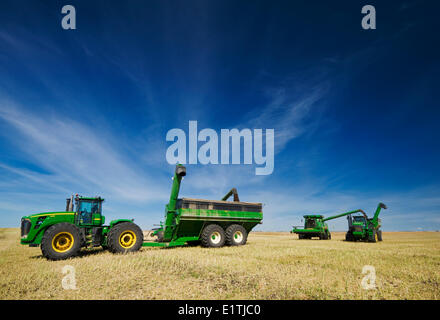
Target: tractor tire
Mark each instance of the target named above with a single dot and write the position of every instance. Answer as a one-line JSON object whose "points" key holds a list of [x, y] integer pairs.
{"points": [[373, 237], [61, 241], [236, 235], [349, 236], [213, 236], [379, 235], [329, 235], [125, 237]]}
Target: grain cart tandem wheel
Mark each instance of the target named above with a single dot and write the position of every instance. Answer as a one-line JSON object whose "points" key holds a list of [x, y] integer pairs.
{"points": [[125, 237], [61, 241], [213, 236], [236, 235]]}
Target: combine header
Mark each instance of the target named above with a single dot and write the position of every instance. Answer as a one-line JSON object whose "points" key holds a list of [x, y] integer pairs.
{"points": [[211, 223]]}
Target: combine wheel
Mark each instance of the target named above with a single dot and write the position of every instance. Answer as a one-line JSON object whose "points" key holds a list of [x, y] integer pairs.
{"points": [[236, 235], [213, 236], [61, 241], [125, 237], [379, 235]]}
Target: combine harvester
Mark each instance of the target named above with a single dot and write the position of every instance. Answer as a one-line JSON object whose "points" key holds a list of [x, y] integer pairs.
{"points": [[211, 223], [359, 227]]}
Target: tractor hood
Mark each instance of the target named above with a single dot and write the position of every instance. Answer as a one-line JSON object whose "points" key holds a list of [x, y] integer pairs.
{"points": [[48, 214], [32, 226]]}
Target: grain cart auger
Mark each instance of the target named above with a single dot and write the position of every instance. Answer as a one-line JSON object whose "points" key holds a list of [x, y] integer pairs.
{"points": [[210, 223], [362, 228], [315, 226]]}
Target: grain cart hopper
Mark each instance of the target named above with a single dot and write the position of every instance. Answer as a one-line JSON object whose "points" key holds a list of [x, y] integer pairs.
{"points": [[210, 223], [315, 226], [62, 234], [362, 228]]}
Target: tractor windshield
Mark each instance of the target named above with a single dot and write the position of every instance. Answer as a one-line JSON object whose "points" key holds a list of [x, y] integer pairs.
{"points": [[87, 209], [359, 219]]}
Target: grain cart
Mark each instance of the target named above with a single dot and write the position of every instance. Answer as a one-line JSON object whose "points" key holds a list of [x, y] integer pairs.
{"points": [[362, 228], [210, 223], [62, 234]]}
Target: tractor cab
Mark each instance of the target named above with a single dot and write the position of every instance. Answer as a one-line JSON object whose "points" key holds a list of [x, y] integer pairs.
{"points": [[88, 211], [356, 223]]}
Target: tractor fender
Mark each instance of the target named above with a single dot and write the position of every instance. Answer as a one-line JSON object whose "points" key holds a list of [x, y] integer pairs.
{"points": [[39, 236], [115, 222]]}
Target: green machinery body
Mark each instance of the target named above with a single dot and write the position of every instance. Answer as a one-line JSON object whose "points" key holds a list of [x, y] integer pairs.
{"points": [[186, 218], [89, 222], [360, 227], [62, 234]]}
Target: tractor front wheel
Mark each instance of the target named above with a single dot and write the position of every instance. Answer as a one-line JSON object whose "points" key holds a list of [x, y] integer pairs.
{"points": [[61, 241], [213, 236], [236, 235], [372, 237], [125, 237], [379, 235]]}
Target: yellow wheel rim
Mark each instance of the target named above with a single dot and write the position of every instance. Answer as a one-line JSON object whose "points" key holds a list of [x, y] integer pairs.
{"points": [[127, 239], [62, 242]]}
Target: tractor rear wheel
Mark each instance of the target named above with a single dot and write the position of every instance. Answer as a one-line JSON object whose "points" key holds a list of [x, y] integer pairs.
{"points": [[213, 236], [349, 236], [379, 235], [236, 235], [61, 241], [125, 237]]}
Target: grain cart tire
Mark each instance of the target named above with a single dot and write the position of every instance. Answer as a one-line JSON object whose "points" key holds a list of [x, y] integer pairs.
{"points": [[379, 235], [125, 237], [236, 235], [213, 236], [300, 236], [61, 241]]}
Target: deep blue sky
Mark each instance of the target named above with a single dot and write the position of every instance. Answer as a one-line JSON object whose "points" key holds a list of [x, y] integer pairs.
{"points": [[355, 111]]}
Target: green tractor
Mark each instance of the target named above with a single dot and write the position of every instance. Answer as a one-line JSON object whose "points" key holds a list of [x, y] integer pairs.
{"points": [[362, 228], [62, 234], [211, 223]]}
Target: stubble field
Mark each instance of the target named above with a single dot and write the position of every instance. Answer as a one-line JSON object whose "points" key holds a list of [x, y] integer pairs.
{"points": [[269, 266]]}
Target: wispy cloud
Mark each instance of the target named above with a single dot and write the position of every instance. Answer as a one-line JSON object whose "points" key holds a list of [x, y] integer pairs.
{"points": [[75, 155]]}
